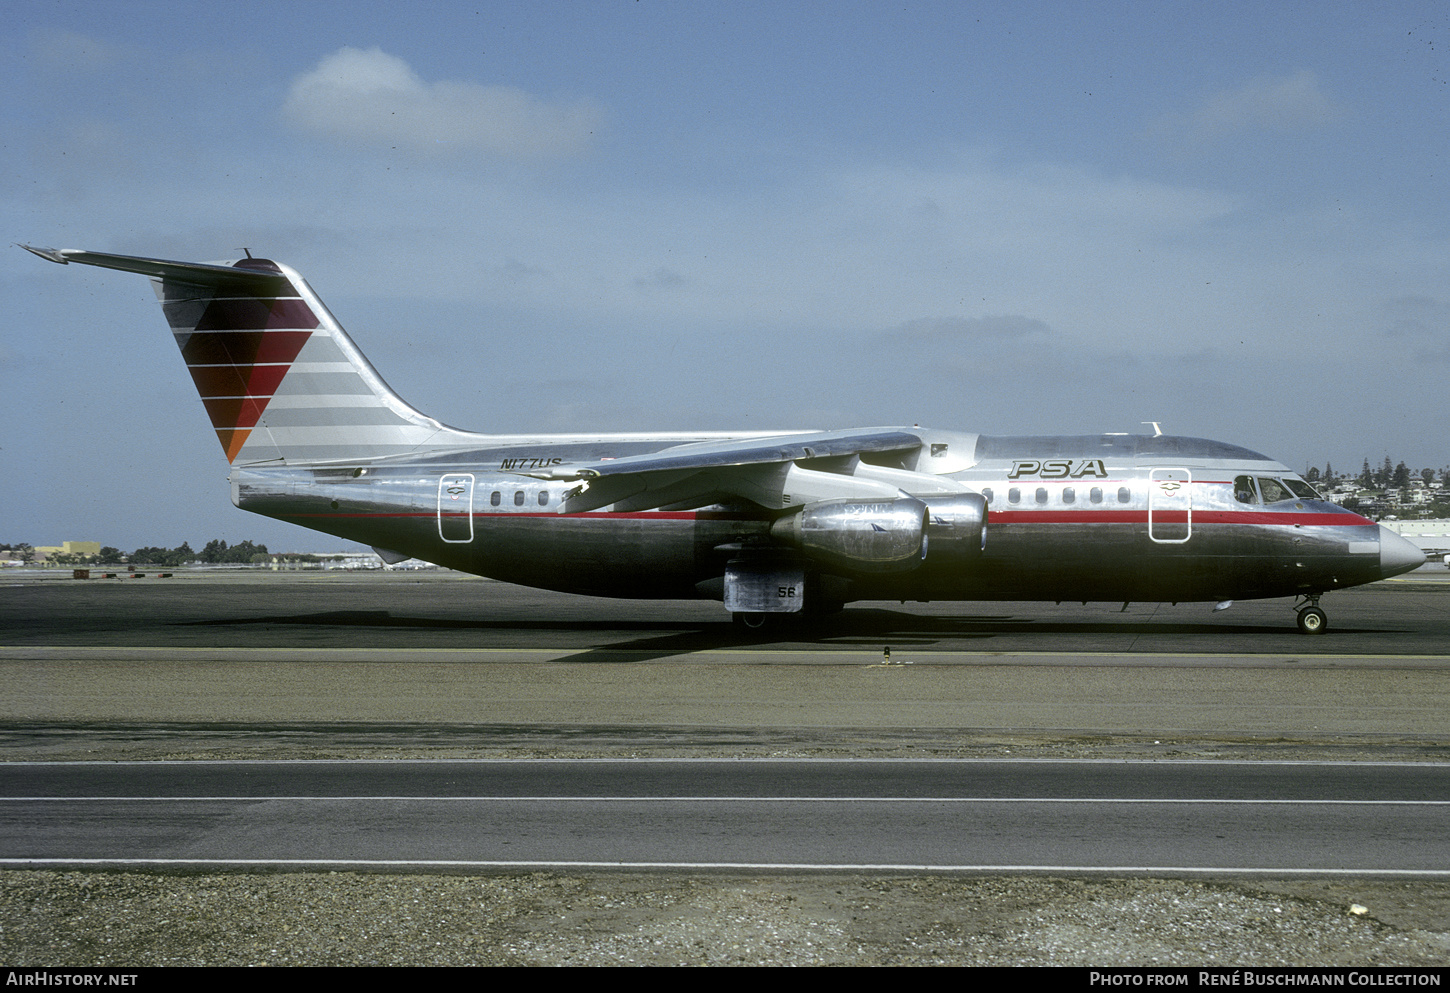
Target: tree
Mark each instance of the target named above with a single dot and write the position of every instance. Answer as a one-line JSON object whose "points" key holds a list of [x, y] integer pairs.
{"points": [[1366, 476], [1401, 478], [245, 552], [1312, 476], [110, 555], [151, 555], [1384, 474]]}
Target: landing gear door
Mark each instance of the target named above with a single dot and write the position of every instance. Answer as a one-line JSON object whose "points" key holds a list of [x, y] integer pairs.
{"points": [[455, 507], [1170, 506], [764, 587]]}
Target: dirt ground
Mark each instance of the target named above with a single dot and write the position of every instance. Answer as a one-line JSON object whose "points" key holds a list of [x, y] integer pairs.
{"points": [[341, 919]]}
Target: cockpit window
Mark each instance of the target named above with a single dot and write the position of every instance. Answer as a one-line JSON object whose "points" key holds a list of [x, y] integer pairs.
{"points": [[1302, 490], [1244, 491], [1274, 490]]}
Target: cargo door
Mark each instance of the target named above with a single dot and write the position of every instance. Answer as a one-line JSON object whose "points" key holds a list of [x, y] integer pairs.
{"points": [[455, 507], [1170, 506]]}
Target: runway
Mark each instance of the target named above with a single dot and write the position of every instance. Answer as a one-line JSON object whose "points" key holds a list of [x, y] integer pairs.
{"points": [[335, 610], [1175, 818], [665, 754], [281, 665]]}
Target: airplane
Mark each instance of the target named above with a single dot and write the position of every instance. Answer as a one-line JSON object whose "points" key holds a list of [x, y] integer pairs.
{"points": [[770, 524]]}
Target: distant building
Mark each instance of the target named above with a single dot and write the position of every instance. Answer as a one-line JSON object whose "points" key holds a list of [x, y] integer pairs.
{"points": [[1433, 537], [68, 548]]}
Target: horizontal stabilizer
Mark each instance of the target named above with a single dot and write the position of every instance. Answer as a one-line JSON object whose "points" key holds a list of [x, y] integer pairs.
{"points": [[262, 275]]}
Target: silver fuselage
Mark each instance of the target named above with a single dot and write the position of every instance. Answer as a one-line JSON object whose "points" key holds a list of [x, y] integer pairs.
{"points": [[1107, 517]]}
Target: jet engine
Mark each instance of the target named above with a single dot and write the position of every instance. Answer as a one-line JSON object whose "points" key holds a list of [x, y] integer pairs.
{"points": [[889, 535], [860, 536], [957, 527]]}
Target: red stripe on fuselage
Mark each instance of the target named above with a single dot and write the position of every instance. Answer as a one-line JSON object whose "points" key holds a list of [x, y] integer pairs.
{"points": [[672, 515], [998, 517], [1306, 518]]}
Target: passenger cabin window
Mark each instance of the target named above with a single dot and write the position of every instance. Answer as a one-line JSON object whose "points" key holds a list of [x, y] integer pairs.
{"points": [[1123, 495], [496, 499], [987, 493], [519, 498], [1096, 494], [1014, 495], [1244, 491], [1068, 496], [1041, 494], [1273, 490], [543, 498]]}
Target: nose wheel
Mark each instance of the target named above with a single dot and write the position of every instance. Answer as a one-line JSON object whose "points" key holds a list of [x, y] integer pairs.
{"points": [[1312, 620]]}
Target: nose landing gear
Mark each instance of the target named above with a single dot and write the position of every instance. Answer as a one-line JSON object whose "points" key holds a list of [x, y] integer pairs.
{"points": [[1312, 620]]}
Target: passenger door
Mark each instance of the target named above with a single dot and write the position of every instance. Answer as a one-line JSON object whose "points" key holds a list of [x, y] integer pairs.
{"points": [[455, 507], [1170, 506]]}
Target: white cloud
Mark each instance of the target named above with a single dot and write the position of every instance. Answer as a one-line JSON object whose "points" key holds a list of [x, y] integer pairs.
{"points": [[1292, 103], [375, 97]]}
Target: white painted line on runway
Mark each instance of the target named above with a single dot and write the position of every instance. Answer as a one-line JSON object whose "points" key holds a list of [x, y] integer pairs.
{"points": [[742, 866], [511, 798], [733, 760]]}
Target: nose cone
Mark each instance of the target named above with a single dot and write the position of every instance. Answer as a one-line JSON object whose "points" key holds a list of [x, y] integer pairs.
{"points": [[1397, 555]]}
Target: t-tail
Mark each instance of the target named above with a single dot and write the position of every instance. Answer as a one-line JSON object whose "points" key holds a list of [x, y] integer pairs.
{"points": [[281, 381]]}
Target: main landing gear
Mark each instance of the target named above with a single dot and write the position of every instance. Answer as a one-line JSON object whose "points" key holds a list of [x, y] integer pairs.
{"points": [[1312, 620], [755, 622], [751, 621]]}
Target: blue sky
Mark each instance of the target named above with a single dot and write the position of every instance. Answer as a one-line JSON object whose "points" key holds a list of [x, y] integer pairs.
{"points": [[1007, 218]]}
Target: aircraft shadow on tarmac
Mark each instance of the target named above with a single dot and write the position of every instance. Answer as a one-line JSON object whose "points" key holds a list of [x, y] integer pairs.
{"points": [[864, 628]]}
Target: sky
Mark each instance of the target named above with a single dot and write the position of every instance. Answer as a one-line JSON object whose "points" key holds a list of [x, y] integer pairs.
{"points": [[1010, 218]]}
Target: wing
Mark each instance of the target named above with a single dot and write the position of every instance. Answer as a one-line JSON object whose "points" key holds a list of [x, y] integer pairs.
{"points": [[777, 473]]}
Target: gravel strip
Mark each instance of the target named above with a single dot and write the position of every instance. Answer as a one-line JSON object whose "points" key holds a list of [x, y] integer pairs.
{"points": [[330, 919]]}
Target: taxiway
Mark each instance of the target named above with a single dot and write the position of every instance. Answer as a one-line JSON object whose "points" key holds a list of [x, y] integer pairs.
{"points": [[1165, 818]]}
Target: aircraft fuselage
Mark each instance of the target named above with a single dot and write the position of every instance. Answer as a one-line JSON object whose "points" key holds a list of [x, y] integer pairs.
{"points": [[1107, 517]]}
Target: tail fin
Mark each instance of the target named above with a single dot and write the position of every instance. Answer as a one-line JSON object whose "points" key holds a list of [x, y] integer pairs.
{"points": [[280, 379]]}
